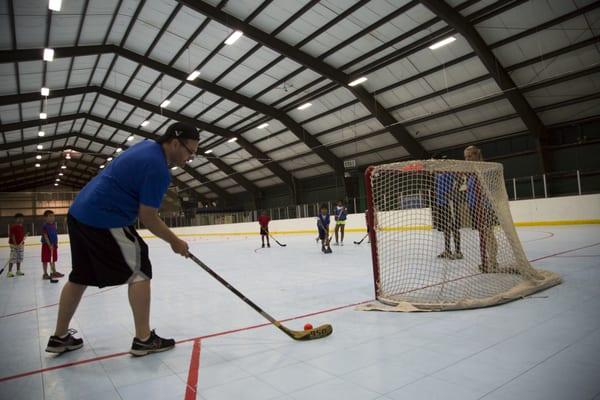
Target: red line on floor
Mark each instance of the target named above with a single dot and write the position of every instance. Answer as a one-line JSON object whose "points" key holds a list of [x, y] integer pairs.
{"points": [[564, 252], [192, 382], [71, 364], [54, 304], [247, 328]]}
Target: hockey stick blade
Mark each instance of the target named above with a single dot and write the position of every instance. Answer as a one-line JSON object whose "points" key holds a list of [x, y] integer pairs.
{"points": [[277, 241], [361, 240], [312, 334]]}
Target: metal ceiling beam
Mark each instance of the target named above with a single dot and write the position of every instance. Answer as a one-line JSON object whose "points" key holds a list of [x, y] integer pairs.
{"points": [[476, 17], [497, 71], [8, 127], [78, 160], [293, 126], [397, 130], [82, 172], [34, 180]]}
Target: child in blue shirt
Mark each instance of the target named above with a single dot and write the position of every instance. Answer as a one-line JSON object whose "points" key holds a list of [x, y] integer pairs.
{"points": [[341, 214], [50, 246], [323, 226]]}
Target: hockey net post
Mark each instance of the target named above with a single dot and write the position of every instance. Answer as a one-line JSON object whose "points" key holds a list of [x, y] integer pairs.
{"points": [[442, 237]]}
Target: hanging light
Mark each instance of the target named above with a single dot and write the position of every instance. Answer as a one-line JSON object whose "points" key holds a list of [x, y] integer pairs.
{"points": [[358, 81], [233, 37], [442, 43], [48, 54], [193, 75]]}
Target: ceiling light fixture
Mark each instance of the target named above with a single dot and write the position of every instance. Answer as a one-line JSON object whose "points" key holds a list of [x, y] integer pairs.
{"points": [[193, 75], [48, 54], [304, 106], [233, 37], [54, 5], [442, 43], [358, 81]]}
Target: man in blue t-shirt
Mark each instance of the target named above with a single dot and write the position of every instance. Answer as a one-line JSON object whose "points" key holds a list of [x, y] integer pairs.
{"points": [[106, 250]]}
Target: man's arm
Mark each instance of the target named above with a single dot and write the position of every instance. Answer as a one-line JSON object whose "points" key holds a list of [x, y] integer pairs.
{"points": [[149, 217]]}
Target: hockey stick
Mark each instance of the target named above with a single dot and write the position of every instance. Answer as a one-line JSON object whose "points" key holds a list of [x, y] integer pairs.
{"points": [[2, 270], [361, 240], [277, 241], [311, 334]]}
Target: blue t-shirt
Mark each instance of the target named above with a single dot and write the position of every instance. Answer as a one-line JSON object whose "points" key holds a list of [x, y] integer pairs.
{"points": [[443, 187], [112, 199], [323, 221], [50, 230], [341, 213]]}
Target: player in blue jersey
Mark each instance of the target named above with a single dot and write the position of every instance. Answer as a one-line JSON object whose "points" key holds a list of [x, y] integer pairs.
{"points": [[106, 250], [323, 222], [341, 214]]}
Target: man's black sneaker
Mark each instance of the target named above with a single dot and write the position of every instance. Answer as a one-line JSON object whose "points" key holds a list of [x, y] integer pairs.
{"points": [[154, 344], [60, 345]]}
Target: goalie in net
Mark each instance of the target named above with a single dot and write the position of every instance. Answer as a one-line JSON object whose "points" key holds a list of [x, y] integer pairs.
{"points": [[417, 209]]}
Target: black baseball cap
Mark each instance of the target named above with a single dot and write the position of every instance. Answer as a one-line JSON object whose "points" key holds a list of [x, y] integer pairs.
{"points": [[180, 130]]}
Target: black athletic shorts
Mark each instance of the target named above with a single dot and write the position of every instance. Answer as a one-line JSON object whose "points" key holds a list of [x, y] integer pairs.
{"points": [[264, 231], [107, 257]]}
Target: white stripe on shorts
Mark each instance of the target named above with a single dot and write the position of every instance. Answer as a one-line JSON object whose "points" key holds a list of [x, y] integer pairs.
{"points": [[131, 252]]}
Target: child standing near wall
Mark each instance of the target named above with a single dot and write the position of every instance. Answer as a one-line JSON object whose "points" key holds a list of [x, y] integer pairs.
{"points": [[263, 220], [50, 246], [323, 226], [341, 214], [16, 240]]}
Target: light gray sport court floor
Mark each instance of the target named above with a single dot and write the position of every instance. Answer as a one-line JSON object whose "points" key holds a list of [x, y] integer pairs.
{"points": [[544, 347]]}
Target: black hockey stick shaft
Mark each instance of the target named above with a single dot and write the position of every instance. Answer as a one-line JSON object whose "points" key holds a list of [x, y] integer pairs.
{"points": [[315, 333], [361, 240], [277, 241]]}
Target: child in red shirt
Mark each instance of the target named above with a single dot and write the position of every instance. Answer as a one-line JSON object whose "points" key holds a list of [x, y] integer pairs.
{"points": [[263, 220], [16, 240]]}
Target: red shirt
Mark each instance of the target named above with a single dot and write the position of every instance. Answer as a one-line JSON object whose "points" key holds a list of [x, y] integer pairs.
{"points": [[18, 232], [263, 220]]}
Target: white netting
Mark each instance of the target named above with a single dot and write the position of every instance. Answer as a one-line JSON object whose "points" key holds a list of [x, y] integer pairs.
{"points": [[443, 236]]}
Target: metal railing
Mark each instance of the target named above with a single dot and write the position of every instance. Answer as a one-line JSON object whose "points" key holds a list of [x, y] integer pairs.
{"points": [[32, 205]]}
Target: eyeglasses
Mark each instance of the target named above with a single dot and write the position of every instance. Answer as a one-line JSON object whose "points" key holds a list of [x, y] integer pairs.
{"points": [[192, 153]]}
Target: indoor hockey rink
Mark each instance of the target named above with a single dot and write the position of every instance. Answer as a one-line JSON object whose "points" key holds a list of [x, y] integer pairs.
{"points": [[542, 347]]}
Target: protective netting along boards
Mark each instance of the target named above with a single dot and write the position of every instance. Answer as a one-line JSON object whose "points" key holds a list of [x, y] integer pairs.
{"points": [[442, 237]]}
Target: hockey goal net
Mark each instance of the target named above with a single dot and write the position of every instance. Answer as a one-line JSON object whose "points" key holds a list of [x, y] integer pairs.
{"points": [[443, 238]]}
